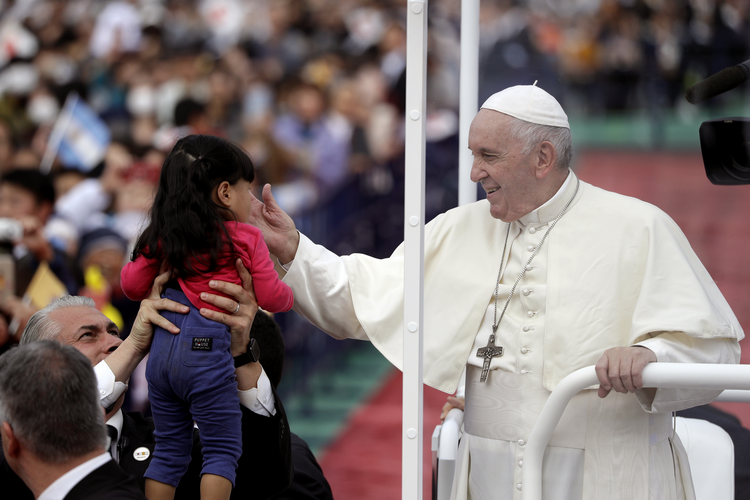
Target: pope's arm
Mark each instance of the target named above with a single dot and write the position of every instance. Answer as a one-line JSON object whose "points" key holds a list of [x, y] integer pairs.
{"points": [[678, 347], [321, 285], [321, 290], [680, 316]]}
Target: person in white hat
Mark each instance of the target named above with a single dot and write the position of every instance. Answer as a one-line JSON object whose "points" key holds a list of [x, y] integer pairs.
{"points": [[547, 275]]}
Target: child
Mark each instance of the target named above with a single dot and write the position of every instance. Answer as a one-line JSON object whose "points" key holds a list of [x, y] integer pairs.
{"points": [[198, 228]]}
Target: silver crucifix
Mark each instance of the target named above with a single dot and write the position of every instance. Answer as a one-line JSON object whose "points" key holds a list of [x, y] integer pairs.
{"points": [[488, 352]]}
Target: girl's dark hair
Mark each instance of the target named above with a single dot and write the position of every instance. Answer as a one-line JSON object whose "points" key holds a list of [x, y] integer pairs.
{"points": [[187, 228]]}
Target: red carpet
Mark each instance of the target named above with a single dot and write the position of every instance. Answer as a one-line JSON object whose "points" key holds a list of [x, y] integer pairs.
{"points": [[365, 461]]}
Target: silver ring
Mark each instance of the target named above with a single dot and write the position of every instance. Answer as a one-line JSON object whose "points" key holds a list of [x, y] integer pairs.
{"points": [[238, 308]]}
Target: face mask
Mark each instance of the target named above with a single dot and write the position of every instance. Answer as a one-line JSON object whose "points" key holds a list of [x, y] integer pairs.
{"points": [[141, 100], [62, 71], [42, 109], [19, 78]]}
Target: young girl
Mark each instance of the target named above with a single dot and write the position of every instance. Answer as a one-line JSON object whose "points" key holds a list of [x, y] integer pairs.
{"points": [[198, 228]]}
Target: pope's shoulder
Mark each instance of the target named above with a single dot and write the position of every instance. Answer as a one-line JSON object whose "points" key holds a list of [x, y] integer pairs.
{"points": [[477, 210], [469, 215], [603, 203]]}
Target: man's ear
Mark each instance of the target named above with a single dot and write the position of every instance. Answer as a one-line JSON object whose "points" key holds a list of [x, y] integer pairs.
{"points": [[546, 159], [223, 194], [11, 446]]}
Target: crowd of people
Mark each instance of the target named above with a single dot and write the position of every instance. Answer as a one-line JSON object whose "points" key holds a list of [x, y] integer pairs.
{"points": [[313, 90]]}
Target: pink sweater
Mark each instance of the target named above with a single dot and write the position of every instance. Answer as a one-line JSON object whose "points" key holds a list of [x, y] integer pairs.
{"points": [[273, 295]]}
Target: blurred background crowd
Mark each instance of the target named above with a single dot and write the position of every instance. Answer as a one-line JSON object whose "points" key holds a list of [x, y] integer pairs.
{"points": [[313, 90]]}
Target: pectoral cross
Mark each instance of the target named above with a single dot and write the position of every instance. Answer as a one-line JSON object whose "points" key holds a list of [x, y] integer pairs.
{"points": [[488, 352]]}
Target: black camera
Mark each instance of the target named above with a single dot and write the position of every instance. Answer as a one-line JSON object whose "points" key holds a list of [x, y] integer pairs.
{"points": [[725, 143]]}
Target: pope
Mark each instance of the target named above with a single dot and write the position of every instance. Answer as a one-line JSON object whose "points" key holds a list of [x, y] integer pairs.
{"points": [[547, 275]]}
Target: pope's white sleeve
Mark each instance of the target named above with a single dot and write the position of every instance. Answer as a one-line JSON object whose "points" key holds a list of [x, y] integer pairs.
{"points": [[109, 389], [322, 295], [259, 399], [461, 389], [677, 347]]}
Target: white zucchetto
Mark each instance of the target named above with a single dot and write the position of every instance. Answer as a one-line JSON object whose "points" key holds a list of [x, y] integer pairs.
{"points": [[528, 103]]}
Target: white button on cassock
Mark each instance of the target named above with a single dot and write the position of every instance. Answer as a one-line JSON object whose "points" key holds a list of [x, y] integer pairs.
{"points": [[532, 230], [529, 267], [524, 350], [531, 248], [530, 314], [519, 486], [526, 328], [521, 442], [526, 291], [520, 463]]}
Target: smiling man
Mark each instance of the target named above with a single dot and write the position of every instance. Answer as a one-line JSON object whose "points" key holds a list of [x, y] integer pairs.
{"points": [[547, 275]]}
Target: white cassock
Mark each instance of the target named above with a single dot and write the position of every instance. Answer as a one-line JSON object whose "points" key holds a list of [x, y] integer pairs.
{"points": [[614, 271]]}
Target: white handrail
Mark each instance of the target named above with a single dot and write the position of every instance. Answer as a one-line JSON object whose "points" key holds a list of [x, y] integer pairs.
{"points": [[667, 375], [734, 395]]}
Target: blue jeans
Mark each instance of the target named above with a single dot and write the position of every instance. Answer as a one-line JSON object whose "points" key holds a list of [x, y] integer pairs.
{"points": [[191, 378]]}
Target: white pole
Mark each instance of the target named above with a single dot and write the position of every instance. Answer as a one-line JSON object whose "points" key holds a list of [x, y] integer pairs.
{"points": [[416, 64], [469, 90], [672, 375]]}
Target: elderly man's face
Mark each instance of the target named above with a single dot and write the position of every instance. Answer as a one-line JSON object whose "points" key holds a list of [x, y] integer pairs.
{"points": [[88, 330], [507, 176]]}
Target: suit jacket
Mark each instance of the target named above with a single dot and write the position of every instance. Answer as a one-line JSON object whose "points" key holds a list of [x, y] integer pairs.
{"points": [[108, 481], [264, 469], [309, 483]]}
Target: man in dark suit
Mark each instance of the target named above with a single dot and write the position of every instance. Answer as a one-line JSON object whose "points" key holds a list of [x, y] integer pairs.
{"points": [[52, 426], [308, 483], [265, 467]]}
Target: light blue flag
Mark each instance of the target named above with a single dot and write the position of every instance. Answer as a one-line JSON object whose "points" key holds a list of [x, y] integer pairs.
{"points": [[79, 138]]}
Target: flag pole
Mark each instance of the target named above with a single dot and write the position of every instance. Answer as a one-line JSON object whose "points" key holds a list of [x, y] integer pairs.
{"points": [[58, 132]]}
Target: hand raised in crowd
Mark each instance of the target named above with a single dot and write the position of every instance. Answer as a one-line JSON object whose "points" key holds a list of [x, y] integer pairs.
{"points": [[34, 240], [621, 369], [19, 313], [277, 227]]}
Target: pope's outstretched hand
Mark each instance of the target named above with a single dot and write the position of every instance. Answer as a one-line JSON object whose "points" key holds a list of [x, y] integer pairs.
{"points": [[277, 227]]}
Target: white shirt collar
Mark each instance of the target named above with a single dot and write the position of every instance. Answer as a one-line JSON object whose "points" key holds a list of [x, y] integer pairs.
{"points": [[59, 489], [533, 217], [116, 422]]}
